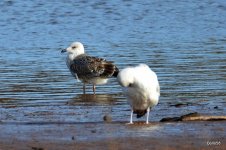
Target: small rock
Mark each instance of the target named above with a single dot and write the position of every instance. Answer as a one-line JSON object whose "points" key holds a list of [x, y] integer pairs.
{"points": [[107, 118], [170, 119], [37, 148], [73, 138], [194, 114], [175, 119], [216, 107], [93, 131], [180, 105]]}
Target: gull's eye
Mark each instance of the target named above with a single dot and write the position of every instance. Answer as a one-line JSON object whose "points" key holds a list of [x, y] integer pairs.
{"points": [[73, 47]]}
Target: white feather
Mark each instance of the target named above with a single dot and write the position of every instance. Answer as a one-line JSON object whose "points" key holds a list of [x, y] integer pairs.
{"points": [[140, 85]]}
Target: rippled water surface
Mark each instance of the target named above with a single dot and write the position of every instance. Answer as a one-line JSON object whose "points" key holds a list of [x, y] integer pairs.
{"points": [[183, 42]]}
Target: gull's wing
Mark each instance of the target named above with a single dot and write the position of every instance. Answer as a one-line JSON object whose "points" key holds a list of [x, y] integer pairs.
{"points": [[88, 67]]}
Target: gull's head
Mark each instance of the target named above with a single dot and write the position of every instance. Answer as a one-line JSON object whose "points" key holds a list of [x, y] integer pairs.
{"points": [[76, 48], [126, 77]]}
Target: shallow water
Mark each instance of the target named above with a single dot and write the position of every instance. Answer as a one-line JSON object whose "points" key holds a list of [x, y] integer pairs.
{"points": [[183, 42]]}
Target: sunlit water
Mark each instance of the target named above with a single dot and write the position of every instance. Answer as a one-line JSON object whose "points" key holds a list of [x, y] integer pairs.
{"points": [[183, 42]]}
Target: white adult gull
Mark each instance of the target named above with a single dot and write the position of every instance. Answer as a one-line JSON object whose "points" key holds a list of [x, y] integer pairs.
{"points": [[88, 69], [141, 87]]}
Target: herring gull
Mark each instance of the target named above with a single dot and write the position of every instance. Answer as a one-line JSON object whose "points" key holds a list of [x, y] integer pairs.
{"points": [[88, 69], [141, 87]]}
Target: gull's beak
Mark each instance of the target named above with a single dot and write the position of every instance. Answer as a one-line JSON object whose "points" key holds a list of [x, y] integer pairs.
{"points": [[63, 51]]}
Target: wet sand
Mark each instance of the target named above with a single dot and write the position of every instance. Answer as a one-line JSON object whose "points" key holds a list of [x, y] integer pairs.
{"points": [[100, 122], [114, 135]]}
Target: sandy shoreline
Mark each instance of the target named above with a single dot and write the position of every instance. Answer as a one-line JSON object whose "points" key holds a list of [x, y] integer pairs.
{"points": [[115, 135]]}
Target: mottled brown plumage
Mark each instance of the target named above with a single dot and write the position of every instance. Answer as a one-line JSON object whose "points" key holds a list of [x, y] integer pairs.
{"points": [[88, 69]]}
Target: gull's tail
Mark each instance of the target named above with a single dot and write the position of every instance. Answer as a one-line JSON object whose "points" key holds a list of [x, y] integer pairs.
{"points": [[110, 69], [115, 74]]}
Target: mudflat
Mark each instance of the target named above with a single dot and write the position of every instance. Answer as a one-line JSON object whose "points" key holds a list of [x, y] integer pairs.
{"points": [[112, 135]]}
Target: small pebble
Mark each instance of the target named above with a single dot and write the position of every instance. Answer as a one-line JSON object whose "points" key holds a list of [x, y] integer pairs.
{"points": [[93, 131], [216, 107], [107, 118], [37, 148], [73, 138]]}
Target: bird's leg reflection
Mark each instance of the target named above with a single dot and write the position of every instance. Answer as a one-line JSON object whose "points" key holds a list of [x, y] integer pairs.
{"points": [[94, 89], [84, 88]]}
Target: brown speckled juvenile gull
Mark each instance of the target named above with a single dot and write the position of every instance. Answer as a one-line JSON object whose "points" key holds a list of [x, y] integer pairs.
{"points": [[88, 69]]}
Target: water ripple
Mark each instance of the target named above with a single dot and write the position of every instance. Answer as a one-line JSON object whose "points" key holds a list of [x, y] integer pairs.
{"points": [[184, 43]]}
